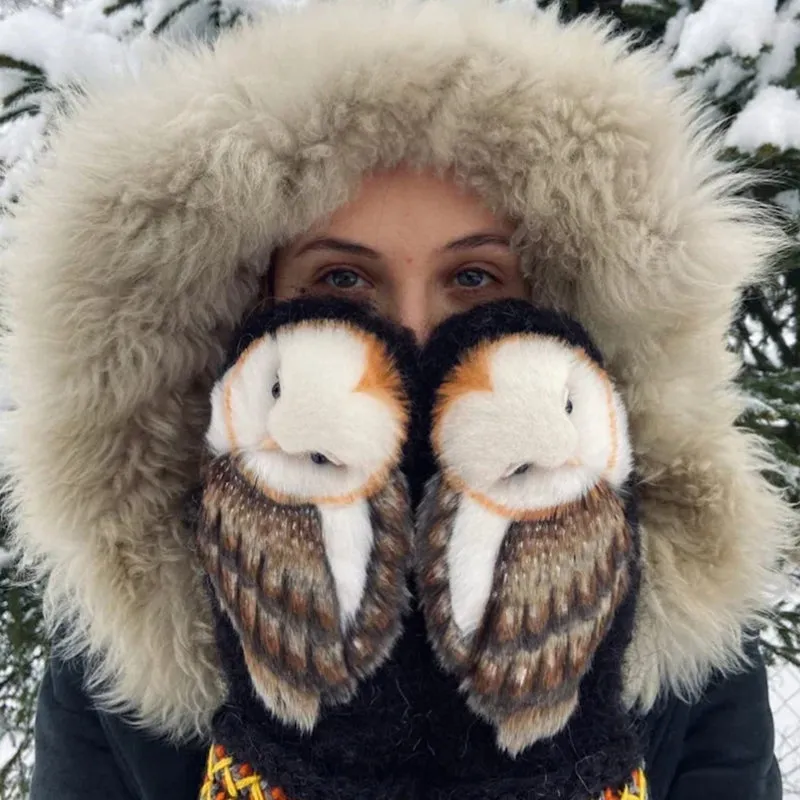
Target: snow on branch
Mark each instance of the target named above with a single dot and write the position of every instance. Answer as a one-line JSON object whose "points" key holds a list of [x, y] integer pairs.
{"points": [[772, 117]]}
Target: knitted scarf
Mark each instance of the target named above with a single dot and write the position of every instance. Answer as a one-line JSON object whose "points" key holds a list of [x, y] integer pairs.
{"points": [[408, 735]]}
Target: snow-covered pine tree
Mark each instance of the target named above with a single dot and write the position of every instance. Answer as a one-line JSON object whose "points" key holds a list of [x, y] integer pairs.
{"points": [[745, 55], [41, 53]]}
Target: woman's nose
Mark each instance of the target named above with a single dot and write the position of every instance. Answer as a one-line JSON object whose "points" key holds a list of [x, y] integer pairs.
{"points": [[413, 307]]}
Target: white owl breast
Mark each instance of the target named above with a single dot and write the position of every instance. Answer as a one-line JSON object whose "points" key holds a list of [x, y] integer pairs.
{"points": [[471, 559], [348, 537]]}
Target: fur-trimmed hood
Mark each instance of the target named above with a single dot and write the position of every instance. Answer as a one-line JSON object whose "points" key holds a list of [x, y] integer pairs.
{"points": [[141, 245]]}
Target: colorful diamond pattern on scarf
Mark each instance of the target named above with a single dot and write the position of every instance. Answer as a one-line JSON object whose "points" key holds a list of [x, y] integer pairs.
{"points": [[227, 780], [635, 789]]}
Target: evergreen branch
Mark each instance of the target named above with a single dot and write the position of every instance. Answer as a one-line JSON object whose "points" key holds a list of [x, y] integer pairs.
{"points": [[10, 679], [792, 80], [12, 762], [793, 285], [215, 16], [234, 18], [118, 6], [755, 307], [743, 334], [170, 18], [647, 21], [30, 87], [30, 110], [7, 62], [783, 652]]}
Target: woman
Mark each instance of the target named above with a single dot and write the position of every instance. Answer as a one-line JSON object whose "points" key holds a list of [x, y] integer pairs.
{"points": [[426, 158]]}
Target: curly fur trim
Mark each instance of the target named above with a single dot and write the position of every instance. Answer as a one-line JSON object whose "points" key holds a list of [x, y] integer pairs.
{"points": [[139, 247]]}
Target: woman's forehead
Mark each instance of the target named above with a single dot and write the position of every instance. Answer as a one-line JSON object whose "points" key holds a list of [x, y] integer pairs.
{"points": [[401, 206]]}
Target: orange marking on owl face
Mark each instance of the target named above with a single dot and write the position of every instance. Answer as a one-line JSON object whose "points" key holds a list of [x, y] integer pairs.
{"points": [[516, 514], [472, 374], [230, 379], [371, 487], [381, 379]]}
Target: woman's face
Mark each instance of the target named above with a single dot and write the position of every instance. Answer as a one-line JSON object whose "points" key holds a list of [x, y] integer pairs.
{"points": [[415, 246]]}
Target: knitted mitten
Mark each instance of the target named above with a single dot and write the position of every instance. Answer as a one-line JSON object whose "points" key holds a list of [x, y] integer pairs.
{"points": [[527, 552], [304, 523]]}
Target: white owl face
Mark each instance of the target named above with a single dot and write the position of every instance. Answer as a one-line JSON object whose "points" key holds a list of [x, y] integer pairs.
{"points": [[315, 411], [531, 422]]}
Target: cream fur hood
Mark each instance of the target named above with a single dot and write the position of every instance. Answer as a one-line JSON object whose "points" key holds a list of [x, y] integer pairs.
{"points": [[141, 244]]}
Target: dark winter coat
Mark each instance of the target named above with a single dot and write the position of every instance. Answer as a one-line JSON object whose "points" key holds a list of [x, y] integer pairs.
{"points": [[721, 747], [144, 239]]}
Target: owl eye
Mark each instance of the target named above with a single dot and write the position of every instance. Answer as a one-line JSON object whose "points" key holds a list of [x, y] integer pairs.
{"points": [[521, 469], [568, 407], [318, 458], [276, 389]]}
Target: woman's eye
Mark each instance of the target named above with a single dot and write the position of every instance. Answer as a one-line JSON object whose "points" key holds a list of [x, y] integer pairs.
{"points": [[344, 279], [474, 279]]}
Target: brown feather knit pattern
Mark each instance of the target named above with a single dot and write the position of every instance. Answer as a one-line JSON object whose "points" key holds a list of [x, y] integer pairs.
{"points": [[435, 518], [557, 585], [386, 599], [269, 570]]}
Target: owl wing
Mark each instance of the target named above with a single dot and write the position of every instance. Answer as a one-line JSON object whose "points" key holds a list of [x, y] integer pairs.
{"points": [[435, 523], [557, 586], [268, 567], [378, 622]]}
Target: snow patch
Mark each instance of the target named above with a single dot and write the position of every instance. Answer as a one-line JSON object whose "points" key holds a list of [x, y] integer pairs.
{"points": [[737, 26], [674, 29], [771, 117], [6, 559], [789, 201], [64, 53], [777, 62]]}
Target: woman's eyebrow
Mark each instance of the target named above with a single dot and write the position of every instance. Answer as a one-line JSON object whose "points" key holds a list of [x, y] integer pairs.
{"points": [[338, 245], [479, 240]]}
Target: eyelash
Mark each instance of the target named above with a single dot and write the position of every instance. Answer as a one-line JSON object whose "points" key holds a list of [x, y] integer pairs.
{"points": [[493, 280], [322, 278]]}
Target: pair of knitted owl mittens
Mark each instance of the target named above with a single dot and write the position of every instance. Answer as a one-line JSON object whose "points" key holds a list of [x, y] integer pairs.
{"points": [[524, 548]]}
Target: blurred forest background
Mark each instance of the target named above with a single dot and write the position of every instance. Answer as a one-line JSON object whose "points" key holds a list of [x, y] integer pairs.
{"points": [[745, 54]]}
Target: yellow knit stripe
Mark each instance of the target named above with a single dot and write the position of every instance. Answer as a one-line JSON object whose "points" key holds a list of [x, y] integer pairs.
{"points": [[635, 789], [227, 780]]}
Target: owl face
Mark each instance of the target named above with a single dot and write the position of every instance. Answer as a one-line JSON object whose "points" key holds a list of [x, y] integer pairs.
{"points": [[529, 422], [314, 412]]}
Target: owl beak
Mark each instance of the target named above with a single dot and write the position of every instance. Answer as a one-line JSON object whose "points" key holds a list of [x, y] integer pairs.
{"points": [[518, 469], [269, 444]]}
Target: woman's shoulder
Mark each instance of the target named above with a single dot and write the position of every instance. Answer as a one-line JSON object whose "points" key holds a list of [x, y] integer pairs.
{"points": [[82, 751], [719, 745]]}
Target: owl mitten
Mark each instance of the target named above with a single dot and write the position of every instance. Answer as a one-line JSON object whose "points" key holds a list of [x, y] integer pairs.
{"points": [[304, 525], [527, 551]]}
